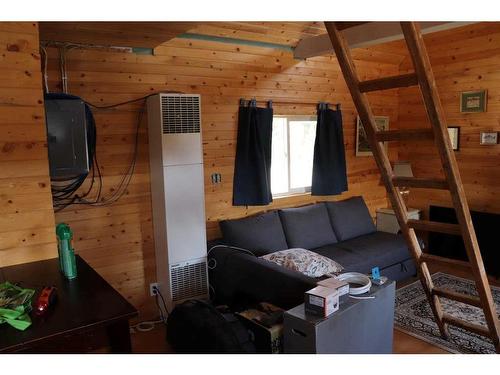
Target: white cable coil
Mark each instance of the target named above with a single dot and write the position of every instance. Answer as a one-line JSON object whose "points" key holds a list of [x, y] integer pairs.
{"points": [[358, 279]]}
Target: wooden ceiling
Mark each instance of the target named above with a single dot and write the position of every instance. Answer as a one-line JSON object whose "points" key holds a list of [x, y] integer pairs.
{"points": [[152, 34], [121, 34], [287, 33]]}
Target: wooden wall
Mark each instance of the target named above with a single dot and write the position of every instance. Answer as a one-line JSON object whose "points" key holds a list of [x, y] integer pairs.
{"points": [[464, 59], [117, 240], [26, 215]]}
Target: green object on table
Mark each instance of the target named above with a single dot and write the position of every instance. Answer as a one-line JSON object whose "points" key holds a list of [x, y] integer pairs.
{"points": [[15, 304], [67, 261]]}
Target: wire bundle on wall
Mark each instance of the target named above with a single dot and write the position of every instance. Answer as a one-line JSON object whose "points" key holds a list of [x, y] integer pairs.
{"points": [[64, 192]]}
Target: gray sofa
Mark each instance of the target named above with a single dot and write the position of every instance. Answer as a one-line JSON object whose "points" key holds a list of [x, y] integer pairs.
{"points": [[343, 231]]}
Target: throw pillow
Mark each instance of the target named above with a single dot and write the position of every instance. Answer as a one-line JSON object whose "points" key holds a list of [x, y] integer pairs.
{"points": [[304, 261]]}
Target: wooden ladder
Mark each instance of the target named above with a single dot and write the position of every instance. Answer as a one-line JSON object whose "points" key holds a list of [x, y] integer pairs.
{"points": [[424, 77]]}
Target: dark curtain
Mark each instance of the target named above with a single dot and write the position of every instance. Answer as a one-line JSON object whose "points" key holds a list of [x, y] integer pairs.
{"points": [[252, 169], [329, 175]]}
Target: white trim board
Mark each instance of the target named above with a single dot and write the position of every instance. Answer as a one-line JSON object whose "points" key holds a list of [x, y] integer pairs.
{"points": [[365, 35]]}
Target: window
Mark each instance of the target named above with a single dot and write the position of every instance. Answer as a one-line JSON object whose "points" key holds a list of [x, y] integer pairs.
{"points": [[292, 154]]}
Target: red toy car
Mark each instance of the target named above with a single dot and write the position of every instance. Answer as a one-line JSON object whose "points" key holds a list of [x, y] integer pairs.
{"points": [[46, 299]]}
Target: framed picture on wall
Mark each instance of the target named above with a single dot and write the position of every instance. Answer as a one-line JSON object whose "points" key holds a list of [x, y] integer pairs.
{"points": [[473, 101], [362, 144], [489, 138], [454, 132]]}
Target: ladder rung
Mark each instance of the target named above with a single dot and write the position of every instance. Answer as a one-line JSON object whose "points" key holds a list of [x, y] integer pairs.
{"points": [[401, 135], [480, 330], [347, 25], [453, 183], [429, 258], [424, 183], [388, 83], [434, 226], [456, 296]]}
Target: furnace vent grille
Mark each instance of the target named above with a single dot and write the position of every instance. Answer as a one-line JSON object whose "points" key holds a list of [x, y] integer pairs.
{"points": [[189, 280], [180, 114]]}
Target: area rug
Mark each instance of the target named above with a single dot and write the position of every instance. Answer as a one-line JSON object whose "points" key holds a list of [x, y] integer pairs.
{"points": [[414, 316]]}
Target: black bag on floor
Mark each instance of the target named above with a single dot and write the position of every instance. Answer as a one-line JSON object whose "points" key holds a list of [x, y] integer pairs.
{"points": [[198, 327]]}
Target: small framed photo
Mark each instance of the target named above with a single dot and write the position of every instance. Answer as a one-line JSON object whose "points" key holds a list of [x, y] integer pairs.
{"points": [[489, 138], [473, 101], [454, 132], [362, 144]]}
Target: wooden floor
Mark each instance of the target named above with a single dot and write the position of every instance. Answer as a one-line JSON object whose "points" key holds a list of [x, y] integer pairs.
{"points": [[154, 341]]}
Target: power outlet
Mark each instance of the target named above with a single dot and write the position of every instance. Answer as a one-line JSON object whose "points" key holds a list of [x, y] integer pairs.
{"points": [[152, 287]]}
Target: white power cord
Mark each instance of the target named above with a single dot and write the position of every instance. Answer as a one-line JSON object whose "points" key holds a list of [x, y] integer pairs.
{"points": [[146, 326], [356, 278], [230, 247], [45, 75], [358, 297]]}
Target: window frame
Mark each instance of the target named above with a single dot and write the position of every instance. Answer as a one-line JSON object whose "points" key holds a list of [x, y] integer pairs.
{"points": [[293, 191]]}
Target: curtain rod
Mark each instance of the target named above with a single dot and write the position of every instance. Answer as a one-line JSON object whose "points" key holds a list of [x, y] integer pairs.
{"points": [[270, 103]]}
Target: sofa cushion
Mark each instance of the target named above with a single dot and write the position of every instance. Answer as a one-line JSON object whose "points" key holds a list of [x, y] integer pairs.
{"points": [[379, 249], [304, 261], [347, 258], [307, 227], [262, 234], [350, 218]]}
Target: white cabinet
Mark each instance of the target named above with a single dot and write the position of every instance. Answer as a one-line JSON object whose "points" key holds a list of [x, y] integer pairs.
{"points": [[387, 221]]}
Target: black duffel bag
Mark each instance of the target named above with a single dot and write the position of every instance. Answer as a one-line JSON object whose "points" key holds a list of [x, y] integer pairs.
{"points": [[199, 327]]}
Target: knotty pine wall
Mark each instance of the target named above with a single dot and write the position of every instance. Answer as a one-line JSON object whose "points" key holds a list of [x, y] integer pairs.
{"points": [[464, 59], [26, 214], [118, 240]]}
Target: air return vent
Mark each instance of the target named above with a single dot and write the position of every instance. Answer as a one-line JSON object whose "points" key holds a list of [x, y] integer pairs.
{"points": [[188, 280], [180, 114]]}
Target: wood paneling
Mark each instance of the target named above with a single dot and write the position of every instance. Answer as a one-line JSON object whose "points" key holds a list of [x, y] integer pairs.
{"points": [[123, 34], [152, 34], [464, 59], [117, 239], [288, 33], [27, 230]]}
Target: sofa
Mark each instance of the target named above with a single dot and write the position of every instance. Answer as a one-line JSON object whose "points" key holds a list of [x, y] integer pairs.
{"points": [[342, 231]]}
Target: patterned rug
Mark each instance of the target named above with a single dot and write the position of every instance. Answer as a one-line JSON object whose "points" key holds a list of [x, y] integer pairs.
{"points": [[414, 315]]}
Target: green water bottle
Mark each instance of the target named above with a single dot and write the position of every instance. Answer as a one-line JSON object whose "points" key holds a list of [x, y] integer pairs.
{"points": [[67, 261]]}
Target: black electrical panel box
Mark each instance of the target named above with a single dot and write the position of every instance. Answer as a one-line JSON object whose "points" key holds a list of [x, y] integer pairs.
{"points": [[67, 138]]}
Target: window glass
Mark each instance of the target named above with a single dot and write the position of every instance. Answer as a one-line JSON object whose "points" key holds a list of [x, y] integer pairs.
{"points": [[302, 136], [279, 157], [292, 154]]}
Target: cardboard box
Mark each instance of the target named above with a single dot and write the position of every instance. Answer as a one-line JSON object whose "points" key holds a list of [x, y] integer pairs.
{"points": [[321, 301], [267, 339], [341, 286]]}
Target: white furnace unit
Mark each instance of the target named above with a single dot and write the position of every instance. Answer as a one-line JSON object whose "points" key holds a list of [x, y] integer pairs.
{"points": [[178, 196]]}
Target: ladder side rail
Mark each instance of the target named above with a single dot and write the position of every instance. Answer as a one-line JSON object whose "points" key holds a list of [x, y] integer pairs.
{"points": [[437, 118], [361, 103]]}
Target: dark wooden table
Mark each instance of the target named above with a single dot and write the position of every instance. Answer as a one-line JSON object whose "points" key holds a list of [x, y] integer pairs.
{"points": [[88, 315]]}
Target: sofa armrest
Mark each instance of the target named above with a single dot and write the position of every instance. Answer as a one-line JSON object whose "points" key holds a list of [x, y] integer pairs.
{"points": [[241, 279]]}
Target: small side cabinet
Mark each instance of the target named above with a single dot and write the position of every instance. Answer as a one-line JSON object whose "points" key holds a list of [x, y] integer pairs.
{"points": [[387, 221]]}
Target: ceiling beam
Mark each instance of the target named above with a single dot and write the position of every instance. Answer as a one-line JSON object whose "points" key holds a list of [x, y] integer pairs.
{"points": [[364, 35], [119, 34]]}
